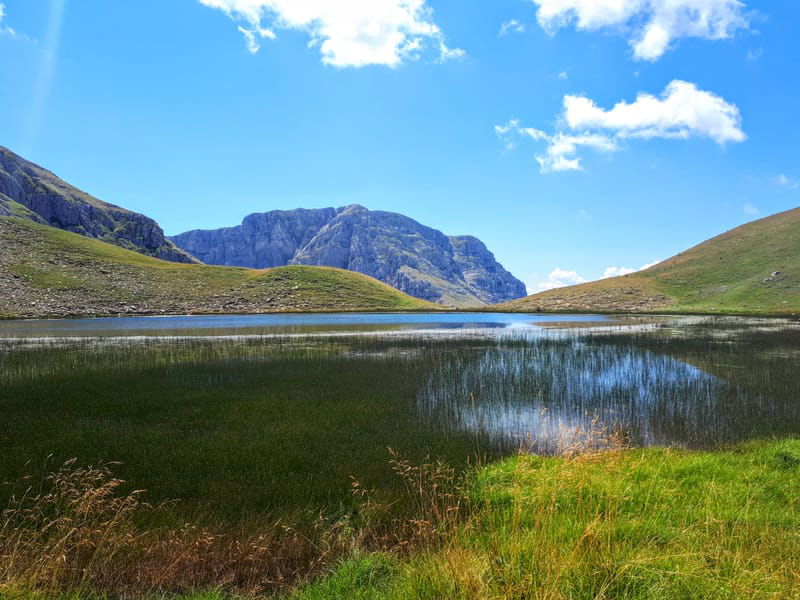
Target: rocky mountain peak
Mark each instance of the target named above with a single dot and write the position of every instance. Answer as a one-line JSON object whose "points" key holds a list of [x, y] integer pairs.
{"points": [[416, 259]]}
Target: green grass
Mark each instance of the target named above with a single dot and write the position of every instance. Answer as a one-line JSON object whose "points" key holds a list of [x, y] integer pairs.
{"points": [[639, 524], [724, 275], [60, 273], [654, 524]]}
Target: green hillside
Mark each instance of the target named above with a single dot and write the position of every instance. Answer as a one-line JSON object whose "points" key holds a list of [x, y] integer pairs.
{"points": [[753, 269], [48, 272]]}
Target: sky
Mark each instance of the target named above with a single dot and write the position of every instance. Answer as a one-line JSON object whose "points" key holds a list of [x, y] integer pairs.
{"points": [[577, 138]]}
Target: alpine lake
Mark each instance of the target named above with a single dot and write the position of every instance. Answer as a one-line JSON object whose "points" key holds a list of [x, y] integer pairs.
{"points": [[235, 416]]}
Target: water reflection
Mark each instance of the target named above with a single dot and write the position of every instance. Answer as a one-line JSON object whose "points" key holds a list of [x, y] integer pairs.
{"points": [[537, 394]]}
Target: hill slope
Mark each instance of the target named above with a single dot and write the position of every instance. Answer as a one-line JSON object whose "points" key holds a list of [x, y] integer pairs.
{"points": [[31, 192], [419, 260], [753, 269], [48, 272]]}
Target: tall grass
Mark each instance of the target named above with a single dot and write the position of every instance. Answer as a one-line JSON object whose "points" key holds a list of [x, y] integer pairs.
{"points": [[623, 524], [76, 533]]}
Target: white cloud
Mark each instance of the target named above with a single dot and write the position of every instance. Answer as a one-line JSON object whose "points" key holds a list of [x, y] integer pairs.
{"points": [[558, 278], [751, 209], [563, 75], [652, 25], [785, 181], [617, 272], [650, 264], [682, 111], [4, 28], [620, 271], [349, 33], [512, 26], [253, 37], [561, 147], [9, 31]]}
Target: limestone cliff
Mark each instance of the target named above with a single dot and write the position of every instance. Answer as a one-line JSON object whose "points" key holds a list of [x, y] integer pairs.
{"points": [[415, 259]]}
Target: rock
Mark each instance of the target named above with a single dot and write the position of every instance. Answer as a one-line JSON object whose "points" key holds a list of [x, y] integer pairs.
{"points": [[29, 191], [418, 260]]}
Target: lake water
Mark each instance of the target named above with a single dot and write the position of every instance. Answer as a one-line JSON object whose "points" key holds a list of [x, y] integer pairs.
{"points": [[278, 411], [228, 325]]}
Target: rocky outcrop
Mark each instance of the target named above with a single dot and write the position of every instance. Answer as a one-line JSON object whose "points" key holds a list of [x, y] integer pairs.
{"points": [[415, 259], [262, 240], [29, 191]]}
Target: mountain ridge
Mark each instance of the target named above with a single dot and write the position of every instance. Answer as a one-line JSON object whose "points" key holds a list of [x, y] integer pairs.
{"points": [[34, 193], [414, 258]]}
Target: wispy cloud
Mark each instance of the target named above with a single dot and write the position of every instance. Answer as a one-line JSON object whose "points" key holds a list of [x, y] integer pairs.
{"points": [[652, 25], [7, 30], [755, 55], [512, 26], [785, 181], [751, 210], [348, 33], [682, 111]]}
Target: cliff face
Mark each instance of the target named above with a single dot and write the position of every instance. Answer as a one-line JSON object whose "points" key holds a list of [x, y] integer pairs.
{"points": [[262, 240], [29, 191], [415, 259]]}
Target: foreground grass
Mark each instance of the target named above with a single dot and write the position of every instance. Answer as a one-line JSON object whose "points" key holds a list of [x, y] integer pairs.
{"points": [[632, 524], [655, 523]]}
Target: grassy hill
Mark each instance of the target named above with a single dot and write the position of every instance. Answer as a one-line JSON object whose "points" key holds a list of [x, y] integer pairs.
{"points": [[753, 269], [48, 272]]}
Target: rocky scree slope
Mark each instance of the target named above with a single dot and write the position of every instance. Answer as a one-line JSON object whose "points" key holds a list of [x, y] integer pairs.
{"points": [[48, 272], [31, 192], [418, 260]]}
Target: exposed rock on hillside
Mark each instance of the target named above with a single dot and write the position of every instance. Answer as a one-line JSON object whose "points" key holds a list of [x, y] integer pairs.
{"points": [[415, 259], [29, 191]]}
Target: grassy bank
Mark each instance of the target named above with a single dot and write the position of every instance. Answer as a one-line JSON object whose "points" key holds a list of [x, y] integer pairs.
{"points": [[632, 524], [653, 523], [47, 272]]}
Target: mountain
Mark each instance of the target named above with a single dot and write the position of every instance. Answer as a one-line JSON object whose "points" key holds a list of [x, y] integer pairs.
{"points": [[48, 272], [415, 259], [31, 192], [753, 269]]}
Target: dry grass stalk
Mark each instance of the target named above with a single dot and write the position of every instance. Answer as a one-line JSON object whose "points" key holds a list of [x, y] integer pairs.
{"points": [[80, 533]]}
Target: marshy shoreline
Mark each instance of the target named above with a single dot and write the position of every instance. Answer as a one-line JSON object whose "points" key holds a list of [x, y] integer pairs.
{"points": [[544, 461]]}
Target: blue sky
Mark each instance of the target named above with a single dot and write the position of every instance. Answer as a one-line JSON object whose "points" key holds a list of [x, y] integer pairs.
{"points": [[189, 111]]}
